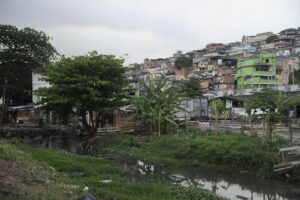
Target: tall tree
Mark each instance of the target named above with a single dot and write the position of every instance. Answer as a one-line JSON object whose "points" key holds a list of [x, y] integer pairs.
{"points": [[192, 88], [271, 39], [217, 107], [275, 106], [92, 83], [21, 52], [156, 106], [294, 77], [250, 114], [183, 61]]}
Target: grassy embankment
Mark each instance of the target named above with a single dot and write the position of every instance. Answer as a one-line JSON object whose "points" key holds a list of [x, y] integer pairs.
{"points": [[224, 151], [55, 174]]}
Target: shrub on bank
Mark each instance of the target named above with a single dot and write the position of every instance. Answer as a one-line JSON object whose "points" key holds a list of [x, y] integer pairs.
{"points": [[225, 151], [80, 171]]}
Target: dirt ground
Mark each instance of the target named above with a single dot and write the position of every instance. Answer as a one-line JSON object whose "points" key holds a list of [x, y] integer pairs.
{"points": [[18, 181]]}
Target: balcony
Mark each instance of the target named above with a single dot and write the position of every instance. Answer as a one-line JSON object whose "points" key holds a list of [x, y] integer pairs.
{"points": [[264, 73]]}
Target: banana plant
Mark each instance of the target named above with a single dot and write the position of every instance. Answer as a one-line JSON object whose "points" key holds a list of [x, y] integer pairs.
{"points": [[156, 106]]}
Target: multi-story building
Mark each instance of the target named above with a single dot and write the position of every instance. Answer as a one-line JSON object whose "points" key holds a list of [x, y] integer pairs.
{"points": [[248, 39], [215, 47], [182, 73], [261, 37], [260, 64], [284, 67], [226, 74], [259, 71], [290, 33]]}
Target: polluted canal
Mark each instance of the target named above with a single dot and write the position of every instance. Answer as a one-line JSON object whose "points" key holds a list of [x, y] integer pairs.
{"points": [[234, 186]]}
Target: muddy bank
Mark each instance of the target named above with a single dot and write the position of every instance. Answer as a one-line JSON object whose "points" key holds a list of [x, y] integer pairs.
{"points": [[224, 183], [23, 178], [33, 132]]}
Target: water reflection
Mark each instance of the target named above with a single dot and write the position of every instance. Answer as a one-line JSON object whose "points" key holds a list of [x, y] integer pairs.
{"points": [[227, 184]]}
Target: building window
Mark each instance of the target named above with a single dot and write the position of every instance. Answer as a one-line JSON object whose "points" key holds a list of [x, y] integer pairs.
{"points": [[278, 71], [262, 68], [267, 60], [267, 77]]}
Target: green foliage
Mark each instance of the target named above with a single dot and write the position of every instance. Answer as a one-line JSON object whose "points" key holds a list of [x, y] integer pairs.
{"points": [[22, 51], [271, 38], [83, 171], [156, 106], [7, 151], [63, 161], [183, 61], [91, 83], [192, 193], [225, 151], [294, 77], [31, 179], [275, 106], [250, 114], [129, 143], [217, 107], [192, 88]]}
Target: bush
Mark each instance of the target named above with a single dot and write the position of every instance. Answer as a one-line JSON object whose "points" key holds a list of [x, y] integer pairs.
{"points": [[192, 193], [227, 151]]}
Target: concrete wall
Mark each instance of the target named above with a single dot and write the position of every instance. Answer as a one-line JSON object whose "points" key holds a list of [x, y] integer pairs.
{"points": [[36, 84]]}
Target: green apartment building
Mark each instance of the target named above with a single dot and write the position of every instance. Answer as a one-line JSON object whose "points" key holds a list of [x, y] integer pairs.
{"points": [[256, 72]]}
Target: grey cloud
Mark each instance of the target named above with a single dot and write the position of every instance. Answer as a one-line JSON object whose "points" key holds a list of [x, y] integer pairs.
{"points": [[145, 28]]}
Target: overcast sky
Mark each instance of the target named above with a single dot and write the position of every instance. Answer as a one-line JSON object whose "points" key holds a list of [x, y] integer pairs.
{"points": [[148, 28]]}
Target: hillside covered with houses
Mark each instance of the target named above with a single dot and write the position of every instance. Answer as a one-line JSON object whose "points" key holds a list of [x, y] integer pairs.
{"points": [[265, 59], [230, 71]]}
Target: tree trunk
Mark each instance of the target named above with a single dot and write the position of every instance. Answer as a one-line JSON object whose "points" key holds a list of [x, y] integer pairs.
{"points": [[251, 128], [158, 129], [264, 131], [217, 125], [98, 115], [271, 132], [92, 119], [85, 123]]}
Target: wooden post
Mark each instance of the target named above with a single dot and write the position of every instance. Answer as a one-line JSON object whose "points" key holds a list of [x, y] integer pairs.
{"points": [[106, 125], [282, 154]]}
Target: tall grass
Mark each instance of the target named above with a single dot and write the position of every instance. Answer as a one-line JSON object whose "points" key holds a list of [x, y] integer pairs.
{"points": [[88, 171], [226, 151]]}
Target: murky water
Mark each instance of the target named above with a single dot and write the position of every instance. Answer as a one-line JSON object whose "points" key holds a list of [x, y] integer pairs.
{"points": [[234, 186]]}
